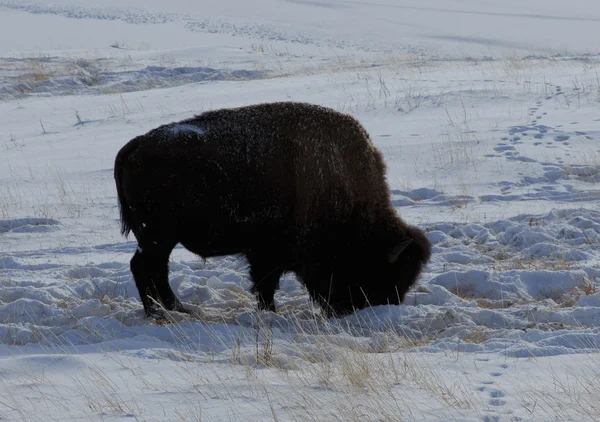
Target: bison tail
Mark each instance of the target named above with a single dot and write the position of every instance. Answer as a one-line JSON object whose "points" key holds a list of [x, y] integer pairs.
{"points": [[124, 208]]}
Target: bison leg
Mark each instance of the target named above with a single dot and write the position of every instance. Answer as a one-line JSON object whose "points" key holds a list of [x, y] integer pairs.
{"points": [[265, 277], [150, 268]]}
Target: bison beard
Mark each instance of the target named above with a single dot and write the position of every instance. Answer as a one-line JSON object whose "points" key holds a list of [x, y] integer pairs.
{"points": [[294, 187]]}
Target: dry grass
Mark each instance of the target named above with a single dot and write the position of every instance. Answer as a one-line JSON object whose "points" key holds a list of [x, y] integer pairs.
{"points": [[533, 264], [307, 370], [562, 392], [309, 375]]}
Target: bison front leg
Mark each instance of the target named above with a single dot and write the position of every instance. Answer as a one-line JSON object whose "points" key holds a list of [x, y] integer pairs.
{"points": [[265, 276], [150, 268]]}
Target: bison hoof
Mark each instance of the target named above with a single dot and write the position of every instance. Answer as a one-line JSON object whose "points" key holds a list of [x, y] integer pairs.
{"points": [[160, 313], [180, 308], [176, 305], [267, 307], [165, 317]]}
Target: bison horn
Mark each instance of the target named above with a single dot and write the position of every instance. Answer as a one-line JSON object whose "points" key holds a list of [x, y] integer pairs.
{"points": [[397, 250]]}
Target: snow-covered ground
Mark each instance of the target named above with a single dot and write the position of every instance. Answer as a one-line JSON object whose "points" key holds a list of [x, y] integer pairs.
{"points": [[488, 115]]}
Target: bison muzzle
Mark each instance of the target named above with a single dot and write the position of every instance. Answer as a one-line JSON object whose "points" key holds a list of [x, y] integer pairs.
{"points": [[294, 187]]}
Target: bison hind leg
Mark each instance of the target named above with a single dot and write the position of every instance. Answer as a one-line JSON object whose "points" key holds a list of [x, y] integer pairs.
{"points": [[150, 269], [265, 276]]}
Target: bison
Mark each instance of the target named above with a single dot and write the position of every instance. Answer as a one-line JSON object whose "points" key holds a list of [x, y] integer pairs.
{"points": [[294, 187]]}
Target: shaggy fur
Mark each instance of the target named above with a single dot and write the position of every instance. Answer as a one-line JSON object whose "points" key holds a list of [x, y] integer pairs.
{"points": [[294, 187]]}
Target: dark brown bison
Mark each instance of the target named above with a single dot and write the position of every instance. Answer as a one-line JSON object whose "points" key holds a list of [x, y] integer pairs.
{"points": [[294, 187]]}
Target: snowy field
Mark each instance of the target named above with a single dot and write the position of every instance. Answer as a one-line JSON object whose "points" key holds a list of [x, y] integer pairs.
{"points": [[488, 115]]}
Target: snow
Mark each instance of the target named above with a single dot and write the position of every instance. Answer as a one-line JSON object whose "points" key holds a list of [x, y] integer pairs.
{"points": [[487, 116], [182, 129]]}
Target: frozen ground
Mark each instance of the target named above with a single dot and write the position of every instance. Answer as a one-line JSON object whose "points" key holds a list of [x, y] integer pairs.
{"points": [[488, 116]]}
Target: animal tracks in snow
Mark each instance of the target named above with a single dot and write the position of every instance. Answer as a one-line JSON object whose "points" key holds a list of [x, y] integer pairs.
{"points": [[495, 397], [573, 169]]}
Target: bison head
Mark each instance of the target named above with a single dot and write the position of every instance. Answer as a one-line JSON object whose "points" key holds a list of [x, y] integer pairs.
{"points": [[380, 272]]}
